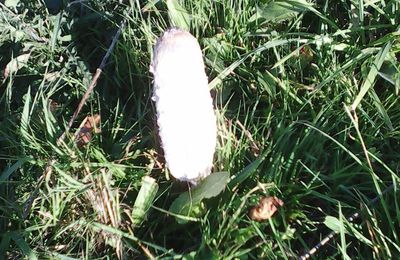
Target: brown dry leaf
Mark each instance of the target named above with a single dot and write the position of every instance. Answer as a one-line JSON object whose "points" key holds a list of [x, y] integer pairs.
{"points": [[265, 209], [15, 64], [53, 105], [86, 129]]}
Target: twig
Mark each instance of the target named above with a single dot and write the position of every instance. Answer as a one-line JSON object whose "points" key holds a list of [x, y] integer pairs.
{"points": [[253, 144], [147, 252], [93, 83], [331, 235]]}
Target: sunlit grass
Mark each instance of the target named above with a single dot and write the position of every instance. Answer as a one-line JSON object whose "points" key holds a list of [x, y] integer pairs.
{"points": [[306, 97]]}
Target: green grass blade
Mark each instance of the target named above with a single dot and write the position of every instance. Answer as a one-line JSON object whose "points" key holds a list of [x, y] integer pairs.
{"points": [[10, 170], [247, 171], [24, 246], [228, 70], [178, 15], [369, 81], [4, 244]]}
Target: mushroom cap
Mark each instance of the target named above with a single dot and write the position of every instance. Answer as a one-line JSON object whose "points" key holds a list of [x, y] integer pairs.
{"points": [[185, 113]]}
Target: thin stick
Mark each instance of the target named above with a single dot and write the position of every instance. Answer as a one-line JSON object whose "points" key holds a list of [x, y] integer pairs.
{"points": [[93, 83], [253, 144], [331, 235], [147, 251]]}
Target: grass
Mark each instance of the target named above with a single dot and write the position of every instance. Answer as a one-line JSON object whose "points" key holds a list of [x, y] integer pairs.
{"points": [[307, 102]]}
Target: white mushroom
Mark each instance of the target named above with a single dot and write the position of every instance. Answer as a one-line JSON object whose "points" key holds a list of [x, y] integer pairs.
{"points": [[185, 113]]}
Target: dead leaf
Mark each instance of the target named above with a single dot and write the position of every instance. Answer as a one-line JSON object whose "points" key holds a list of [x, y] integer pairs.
{"points": [[11, 3], [265, 209], [15, 64], [52, 76], [88, 126], [53, 105]]}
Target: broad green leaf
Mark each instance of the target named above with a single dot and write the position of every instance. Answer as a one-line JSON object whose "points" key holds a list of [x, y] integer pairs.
{"points": [[189, 203], [282, 10], [144, 199], [391, 73], [333, 223], [337, 226], [178, 15]]}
